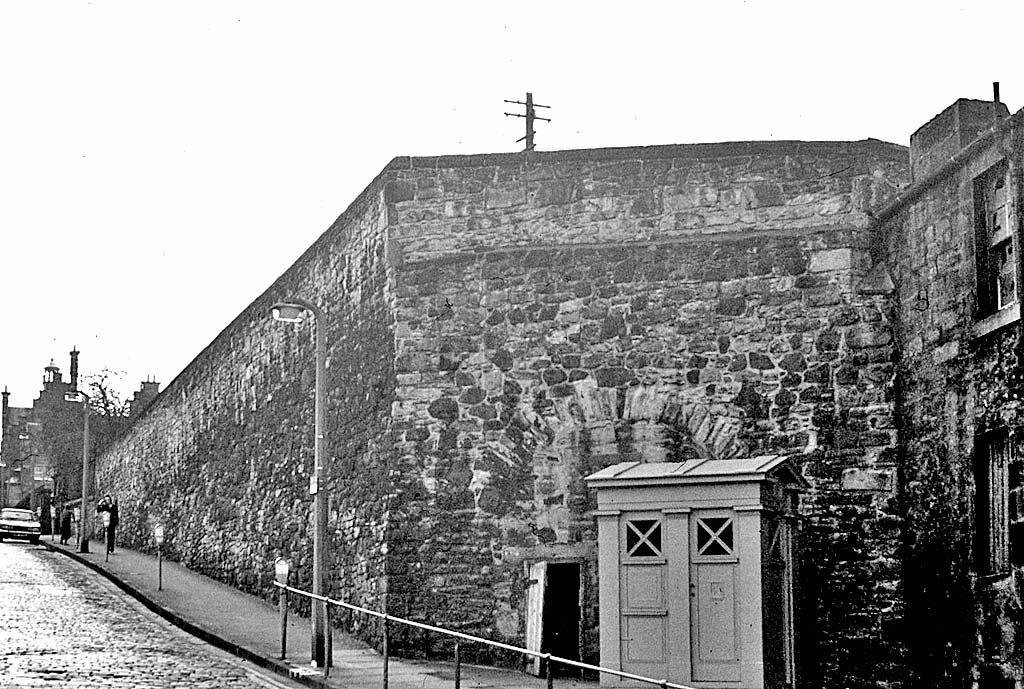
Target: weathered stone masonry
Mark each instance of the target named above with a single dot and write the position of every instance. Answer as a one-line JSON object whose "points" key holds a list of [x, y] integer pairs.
{"points": [[223, 456], [560, 316], [960, 376], [505, 325]]}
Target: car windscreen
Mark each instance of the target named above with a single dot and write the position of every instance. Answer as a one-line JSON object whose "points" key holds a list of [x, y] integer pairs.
{"points": [[17, 516]]}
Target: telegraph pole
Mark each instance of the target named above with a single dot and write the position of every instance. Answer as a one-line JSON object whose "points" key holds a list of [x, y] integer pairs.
{"points": [[531, 115]]}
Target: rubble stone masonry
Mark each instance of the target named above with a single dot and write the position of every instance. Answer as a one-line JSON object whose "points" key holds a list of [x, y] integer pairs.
{"points": [[503, 326], [223, 456], [558, 314], [959, 376]]}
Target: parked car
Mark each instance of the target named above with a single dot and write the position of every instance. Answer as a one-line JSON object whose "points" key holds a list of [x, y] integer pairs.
{"points": [[15, 523]]}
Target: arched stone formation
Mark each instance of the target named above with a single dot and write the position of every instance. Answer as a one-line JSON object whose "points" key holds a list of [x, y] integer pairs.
{"points": [[647, 423]]}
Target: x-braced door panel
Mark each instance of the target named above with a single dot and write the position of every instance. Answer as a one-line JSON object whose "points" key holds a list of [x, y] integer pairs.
{"points": [[643, 600], [714, 634]]}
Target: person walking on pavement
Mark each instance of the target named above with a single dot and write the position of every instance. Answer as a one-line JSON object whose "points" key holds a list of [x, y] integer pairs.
{"points": [[67, 516], [109, 505]]}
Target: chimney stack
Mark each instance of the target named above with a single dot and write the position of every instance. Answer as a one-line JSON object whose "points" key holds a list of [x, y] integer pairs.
{"points": [[74, 368], [6, 409], [144, 397]]}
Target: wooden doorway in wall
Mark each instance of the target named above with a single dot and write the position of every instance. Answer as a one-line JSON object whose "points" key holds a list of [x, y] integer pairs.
{"points": [[554, 603]]}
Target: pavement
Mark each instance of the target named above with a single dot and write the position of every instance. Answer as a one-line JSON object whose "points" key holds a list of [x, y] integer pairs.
{"points": [[249, 627]]}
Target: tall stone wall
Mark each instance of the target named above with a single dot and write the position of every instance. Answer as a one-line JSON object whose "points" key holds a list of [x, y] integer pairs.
{"points": [[503, 326], [223, 456], [562, 312], [956, 381]]}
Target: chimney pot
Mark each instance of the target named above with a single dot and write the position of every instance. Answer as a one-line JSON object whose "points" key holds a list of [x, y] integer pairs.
{"points": [[74, 368]]}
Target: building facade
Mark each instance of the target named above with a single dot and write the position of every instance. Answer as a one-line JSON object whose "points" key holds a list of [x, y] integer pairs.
{"points": [[41, 450], [952, 244], [501, 326]]}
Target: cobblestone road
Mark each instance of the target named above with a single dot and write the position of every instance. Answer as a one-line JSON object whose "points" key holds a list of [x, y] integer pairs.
{"points": [[61, 625]]}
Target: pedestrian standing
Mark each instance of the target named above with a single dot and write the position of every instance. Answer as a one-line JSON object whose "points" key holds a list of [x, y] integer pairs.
{"points": [[109, 505], [67, 516], [114, 518]]}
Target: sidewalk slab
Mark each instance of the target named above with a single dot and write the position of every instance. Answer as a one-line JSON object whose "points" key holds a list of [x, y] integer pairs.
{"points": [[248, 627]]}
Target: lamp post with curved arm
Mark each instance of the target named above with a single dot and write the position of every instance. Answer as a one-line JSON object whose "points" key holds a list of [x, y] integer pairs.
{"points": [[292, 311], [83, 532]]}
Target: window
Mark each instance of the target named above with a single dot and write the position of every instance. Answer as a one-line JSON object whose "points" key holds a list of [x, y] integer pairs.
{"points": [[999, 503], [996, 247], [714, 536], [643, 538]]}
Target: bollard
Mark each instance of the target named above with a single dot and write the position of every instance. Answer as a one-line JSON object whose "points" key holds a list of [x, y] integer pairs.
{"points": [[328, 661], [158, 536], [458, 666], [281, 568], [282, 604], [106, 536], [386, 655]]}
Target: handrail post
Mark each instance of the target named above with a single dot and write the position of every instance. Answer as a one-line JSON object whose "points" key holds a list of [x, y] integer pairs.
{"points": [[458, 666], [386, 652], [547, 660], [328, 652], [282, 603]]}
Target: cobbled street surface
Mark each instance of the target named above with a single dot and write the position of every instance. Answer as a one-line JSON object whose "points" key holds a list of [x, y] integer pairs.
{"points": [[62, 625]]}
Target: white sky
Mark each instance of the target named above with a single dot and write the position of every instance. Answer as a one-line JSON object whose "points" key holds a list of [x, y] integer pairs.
{"points": [[162, 163]]}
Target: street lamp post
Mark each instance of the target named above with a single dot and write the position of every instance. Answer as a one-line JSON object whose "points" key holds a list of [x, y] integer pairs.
{"points": [[54, 516], [292, 312], [83, 532]]}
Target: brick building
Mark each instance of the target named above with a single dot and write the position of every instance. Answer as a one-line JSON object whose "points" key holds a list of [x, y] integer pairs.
{"points": [[41, 447], [500, 326]]}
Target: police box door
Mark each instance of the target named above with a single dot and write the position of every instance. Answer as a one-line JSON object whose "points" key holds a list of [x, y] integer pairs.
{"points": [[714, 629], [642, 589]]}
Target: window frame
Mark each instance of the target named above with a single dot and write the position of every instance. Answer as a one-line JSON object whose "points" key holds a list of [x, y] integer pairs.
{"points": [[995, 234], [658, 528], [999, 512]]}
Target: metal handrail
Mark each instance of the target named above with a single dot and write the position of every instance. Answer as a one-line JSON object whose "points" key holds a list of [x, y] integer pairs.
{"points": [[480, 640]]}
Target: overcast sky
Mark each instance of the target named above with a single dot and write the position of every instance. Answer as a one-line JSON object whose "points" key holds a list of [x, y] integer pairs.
{"points": [[162, 163]]}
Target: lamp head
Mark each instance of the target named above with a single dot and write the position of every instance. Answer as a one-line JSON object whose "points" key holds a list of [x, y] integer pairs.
{"points": [[77, 396], [289, 313], [281, 568]]}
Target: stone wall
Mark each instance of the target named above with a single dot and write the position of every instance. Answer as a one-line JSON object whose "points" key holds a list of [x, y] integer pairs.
{"points": [[559, 313], [503, 326], [955, 383], [223, 456]]}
